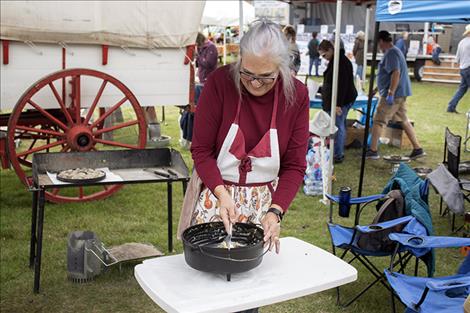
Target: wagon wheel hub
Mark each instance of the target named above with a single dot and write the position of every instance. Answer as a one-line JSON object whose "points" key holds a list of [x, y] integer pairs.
{"points": [[80, 138]]}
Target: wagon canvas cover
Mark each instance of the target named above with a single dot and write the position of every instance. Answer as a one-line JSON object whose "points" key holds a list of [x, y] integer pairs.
{"points": [[143, 24]]}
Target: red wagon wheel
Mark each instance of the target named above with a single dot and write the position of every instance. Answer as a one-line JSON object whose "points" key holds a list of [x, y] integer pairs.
{"points": [[56, 114]]}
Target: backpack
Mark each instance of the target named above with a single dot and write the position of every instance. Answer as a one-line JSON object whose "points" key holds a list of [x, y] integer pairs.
{"points": [[392, 207]]}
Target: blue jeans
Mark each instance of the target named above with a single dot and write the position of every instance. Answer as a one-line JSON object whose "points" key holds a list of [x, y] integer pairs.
{"points": [[464, 85], [341, 134], [359, 70], [316, 62]]}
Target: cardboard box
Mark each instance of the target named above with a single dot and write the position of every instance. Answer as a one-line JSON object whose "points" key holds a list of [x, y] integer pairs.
{"points": [[396, 135], [353, 133]]}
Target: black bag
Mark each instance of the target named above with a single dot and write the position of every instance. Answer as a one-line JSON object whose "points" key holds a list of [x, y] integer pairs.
{"points": [[392, 207]]}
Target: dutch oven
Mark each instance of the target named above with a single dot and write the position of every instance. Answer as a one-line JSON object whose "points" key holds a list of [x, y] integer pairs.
{"points": [[204, 250]]}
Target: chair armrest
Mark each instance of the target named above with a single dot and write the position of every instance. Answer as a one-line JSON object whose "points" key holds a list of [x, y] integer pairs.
{"points": [[384, 225], [357, 200], [454, 282], [429, 241]]}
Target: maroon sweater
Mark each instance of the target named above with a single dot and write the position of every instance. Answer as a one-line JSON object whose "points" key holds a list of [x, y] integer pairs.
{"points": [[215, 113]]}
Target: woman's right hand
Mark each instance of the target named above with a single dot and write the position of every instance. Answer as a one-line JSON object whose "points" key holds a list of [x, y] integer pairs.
{"points": [[227, 210]]}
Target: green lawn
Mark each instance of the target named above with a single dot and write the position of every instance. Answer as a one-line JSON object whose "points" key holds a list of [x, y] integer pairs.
{"points": [[138, 214]]}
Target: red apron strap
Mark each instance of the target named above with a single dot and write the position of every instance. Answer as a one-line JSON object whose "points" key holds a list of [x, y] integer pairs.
{"points": [[276, 100]]}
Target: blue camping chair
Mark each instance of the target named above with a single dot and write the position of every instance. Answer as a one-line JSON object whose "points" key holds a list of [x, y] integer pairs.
{"points": [[415, 191], [424, 294]]}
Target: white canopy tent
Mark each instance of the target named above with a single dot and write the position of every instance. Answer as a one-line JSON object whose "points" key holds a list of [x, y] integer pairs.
{"points": [[227, 13]]}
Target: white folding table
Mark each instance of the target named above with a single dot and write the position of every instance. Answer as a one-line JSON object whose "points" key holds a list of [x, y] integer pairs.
{"points": [[300, 269]]}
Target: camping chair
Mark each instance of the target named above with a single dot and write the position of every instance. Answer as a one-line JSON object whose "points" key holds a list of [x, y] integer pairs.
{"points": [[353, 240], [348, 238], [452, 161], [450, 191], [424, 294]]}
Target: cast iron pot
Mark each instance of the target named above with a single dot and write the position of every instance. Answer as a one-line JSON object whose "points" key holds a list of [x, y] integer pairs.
{"points": [[201, 250]]}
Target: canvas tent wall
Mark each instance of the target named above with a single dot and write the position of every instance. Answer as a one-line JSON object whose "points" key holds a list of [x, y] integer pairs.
{"points": [[147, 42], [442, 11]]}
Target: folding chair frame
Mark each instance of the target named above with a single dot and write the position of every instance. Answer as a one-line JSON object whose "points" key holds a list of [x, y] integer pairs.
{"points": [[364, 260], [454, 170]]}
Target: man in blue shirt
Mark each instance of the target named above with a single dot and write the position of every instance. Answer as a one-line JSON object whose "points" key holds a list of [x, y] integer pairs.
{"points": [[394, 87]]}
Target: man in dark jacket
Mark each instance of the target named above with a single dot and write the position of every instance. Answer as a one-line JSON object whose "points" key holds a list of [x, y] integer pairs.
{"points": [[346, 93]]}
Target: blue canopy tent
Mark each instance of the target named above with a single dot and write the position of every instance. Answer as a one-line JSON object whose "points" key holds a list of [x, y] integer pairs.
{"points": [[444, 11]]}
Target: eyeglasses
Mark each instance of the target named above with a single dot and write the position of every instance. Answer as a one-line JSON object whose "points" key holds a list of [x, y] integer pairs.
{"points": [[260, 79]]}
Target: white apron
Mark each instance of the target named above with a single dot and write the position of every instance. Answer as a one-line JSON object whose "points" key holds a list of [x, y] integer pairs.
{"points": [[250, 177]]}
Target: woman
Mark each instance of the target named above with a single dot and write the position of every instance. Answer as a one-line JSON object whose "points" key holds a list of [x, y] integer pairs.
{"points": [[358, 52], [250, 136], [346, 93], [294, 52]]}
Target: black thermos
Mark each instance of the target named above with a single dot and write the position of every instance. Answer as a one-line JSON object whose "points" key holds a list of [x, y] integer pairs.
{"points": [[344, 199]]}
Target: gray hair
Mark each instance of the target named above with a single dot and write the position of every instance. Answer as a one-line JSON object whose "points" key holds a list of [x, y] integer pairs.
{"points": [[264, 38]]}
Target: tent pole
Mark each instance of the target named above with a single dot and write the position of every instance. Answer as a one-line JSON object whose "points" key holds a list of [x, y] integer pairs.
{"points": [[240, 32], [225, 45], [334, 96], [366, 42], [369, 107]]}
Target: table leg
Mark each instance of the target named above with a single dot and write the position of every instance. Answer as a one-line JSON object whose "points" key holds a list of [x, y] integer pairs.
{"points": [[185, 187], [37, 260], [170, 216], [33, 239]]}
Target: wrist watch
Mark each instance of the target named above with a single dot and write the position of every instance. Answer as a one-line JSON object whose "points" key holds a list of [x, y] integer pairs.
{"points": [[279, 213]]}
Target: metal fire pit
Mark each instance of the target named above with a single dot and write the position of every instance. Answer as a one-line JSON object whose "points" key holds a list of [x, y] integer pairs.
{"points": [[133, 166]]}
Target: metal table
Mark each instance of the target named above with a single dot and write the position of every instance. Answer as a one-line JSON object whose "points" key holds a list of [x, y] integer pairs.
{"points": [[299, 270], [133, 166]]}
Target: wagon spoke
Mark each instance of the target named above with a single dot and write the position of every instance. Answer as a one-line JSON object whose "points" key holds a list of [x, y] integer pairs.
{"points": [[116, 144], [44, 147], [118, 126], [80, 192], [55, 191], [77, 99], [47, 114], [95, 102], [65, 148], [40, 131], [61, 103], [108, 112]]}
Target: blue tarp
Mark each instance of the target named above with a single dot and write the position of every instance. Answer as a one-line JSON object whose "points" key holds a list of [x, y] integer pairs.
{"points": [[449, 11]]}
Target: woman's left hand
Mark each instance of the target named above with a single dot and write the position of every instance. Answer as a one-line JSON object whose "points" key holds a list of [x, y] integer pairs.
{"points": [[272, 229]]}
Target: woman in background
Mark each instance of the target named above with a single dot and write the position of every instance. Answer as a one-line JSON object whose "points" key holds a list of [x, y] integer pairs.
{"points": [[294, 52]]}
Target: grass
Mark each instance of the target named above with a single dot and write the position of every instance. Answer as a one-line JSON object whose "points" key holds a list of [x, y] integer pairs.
{"points": [[138, 214]]}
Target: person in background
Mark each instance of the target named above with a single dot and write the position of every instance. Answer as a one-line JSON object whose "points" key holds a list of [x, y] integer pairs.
{"points": [[394, 86], [358, 52], [402, 44], [463, 58], [313, 54], [206, 60], [346, 93], [294, 52], [436, 51]]}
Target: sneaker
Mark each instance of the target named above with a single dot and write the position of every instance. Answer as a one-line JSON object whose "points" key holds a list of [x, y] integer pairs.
{"points": [[417, 153], [338, 159], [372, 155], [452, 111]]}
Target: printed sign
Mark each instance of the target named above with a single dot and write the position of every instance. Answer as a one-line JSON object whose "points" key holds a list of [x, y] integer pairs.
{"points": [[395, 6]]}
